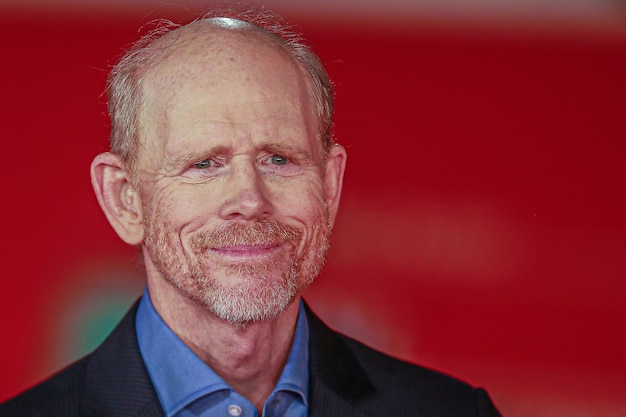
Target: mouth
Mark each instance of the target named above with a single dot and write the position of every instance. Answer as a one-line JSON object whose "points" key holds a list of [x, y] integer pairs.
{"points": [[247, 251]]}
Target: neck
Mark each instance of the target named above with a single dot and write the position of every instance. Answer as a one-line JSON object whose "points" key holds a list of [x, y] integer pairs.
{"points": [[249, 357]]}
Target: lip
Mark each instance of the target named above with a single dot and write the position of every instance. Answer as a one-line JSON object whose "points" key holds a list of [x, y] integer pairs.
{"points": [[247, 251]]}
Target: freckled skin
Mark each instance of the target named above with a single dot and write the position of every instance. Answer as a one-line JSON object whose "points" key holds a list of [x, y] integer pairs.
{"points": [[219, 109]]}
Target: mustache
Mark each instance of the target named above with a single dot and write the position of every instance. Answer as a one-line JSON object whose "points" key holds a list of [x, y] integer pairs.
{"points": [[257, 233]]}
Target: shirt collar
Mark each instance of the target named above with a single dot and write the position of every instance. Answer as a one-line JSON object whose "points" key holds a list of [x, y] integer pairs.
{"points": [[180, 377], [295, 376]]}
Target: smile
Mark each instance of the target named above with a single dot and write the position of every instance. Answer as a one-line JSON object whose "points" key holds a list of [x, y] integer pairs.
{"points": [[247, 251]]}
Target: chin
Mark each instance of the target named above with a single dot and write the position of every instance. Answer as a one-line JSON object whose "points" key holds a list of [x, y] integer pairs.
{"points": [[254, 298]]}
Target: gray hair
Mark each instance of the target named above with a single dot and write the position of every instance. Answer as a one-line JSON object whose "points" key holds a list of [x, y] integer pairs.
{"points": [[124, 86]]}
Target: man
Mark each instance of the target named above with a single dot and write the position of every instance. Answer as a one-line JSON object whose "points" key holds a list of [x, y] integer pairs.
{"points": [[223, 170]]}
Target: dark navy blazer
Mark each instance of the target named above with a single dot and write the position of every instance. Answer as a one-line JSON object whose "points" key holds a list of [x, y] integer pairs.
{"points": [[348, 379]]}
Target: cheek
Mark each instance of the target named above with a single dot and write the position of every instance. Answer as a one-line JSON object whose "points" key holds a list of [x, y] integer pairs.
{"points": [[303, 205], [181, 207], [299, 194], [297, 199]]}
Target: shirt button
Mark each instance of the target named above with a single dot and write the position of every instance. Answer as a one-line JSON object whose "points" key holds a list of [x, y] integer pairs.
{"points": [[234, 410]]}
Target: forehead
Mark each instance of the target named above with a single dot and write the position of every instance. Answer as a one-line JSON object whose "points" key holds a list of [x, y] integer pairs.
{"points": [[218, 57], [210, 73]]}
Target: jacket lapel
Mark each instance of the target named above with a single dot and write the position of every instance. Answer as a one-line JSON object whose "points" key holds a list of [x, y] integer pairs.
{"points": [[117, 383], [116, 380], [338, 383]]}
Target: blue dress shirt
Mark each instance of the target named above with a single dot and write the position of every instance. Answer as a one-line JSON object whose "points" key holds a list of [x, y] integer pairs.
{"points": [[187, 387]]}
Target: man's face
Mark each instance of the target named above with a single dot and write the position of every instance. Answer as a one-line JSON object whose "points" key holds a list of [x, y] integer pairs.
{"points": [[231, 182]]}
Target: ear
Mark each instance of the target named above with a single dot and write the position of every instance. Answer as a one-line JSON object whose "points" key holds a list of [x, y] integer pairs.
{"points": [[333, 179], [117, 197]]}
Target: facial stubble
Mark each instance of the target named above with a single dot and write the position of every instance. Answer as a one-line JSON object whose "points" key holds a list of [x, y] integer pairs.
{"points": [[240, 292]]}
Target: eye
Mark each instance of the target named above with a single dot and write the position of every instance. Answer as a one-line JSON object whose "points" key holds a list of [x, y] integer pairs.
{"points": [[204, 164], [277, 160]]}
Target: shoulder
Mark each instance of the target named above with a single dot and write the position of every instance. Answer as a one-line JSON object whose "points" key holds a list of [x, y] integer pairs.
{"points": [[381, 367], [346, 373], [403, 385], [110, 379], [57, 396]]}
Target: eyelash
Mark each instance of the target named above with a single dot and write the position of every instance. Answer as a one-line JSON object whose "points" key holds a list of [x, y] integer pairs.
{"points": [[274, 163], [283, 159], [198, 165]]}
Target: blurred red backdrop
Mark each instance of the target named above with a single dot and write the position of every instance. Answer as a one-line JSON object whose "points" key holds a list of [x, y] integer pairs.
{"points": [[482, 228]]}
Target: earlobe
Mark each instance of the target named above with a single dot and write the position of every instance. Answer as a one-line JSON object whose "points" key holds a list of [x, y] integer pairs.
{"points": [[333, 179], [117, 197]]}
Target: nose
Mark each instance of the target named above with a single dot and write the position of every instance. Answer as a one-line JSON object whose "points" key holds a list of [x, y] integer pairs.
{"points": [[245, 194]]}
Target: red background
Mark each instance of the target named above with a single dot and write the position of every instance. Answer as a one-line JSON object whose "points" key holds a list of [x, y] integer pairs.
{"points": [[482, 227]]}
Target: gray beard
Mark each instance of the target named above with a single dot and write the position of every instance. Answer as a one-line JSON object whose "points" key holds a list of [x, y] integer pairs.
{"points": [[257, 296]]}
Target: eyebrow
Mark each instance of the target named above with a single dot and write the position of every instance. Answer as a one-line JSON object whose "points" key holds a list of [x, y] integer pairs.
{"points": [[300, 155], [187, 158]]}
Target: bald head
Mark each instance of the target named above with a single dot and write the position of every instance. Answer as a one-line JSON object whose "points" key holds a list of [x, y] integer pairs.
{"points": [[212, 51], [218, 39], [212, 80]]}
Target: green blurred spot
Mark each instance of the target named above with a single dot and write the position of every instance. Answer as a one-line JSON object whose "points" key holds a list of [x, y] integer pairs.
{"points": [[98, 322]]}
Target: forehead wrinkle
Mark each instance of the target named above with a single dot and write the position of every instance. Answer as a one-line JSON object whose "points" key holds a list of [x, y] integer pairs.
{"points": [[257, 129]]}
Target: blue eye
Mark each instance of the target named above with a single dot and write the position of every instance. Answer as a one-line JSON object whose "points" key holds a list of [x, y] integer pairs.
{"points": [[207, 163], [278, 160]]}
